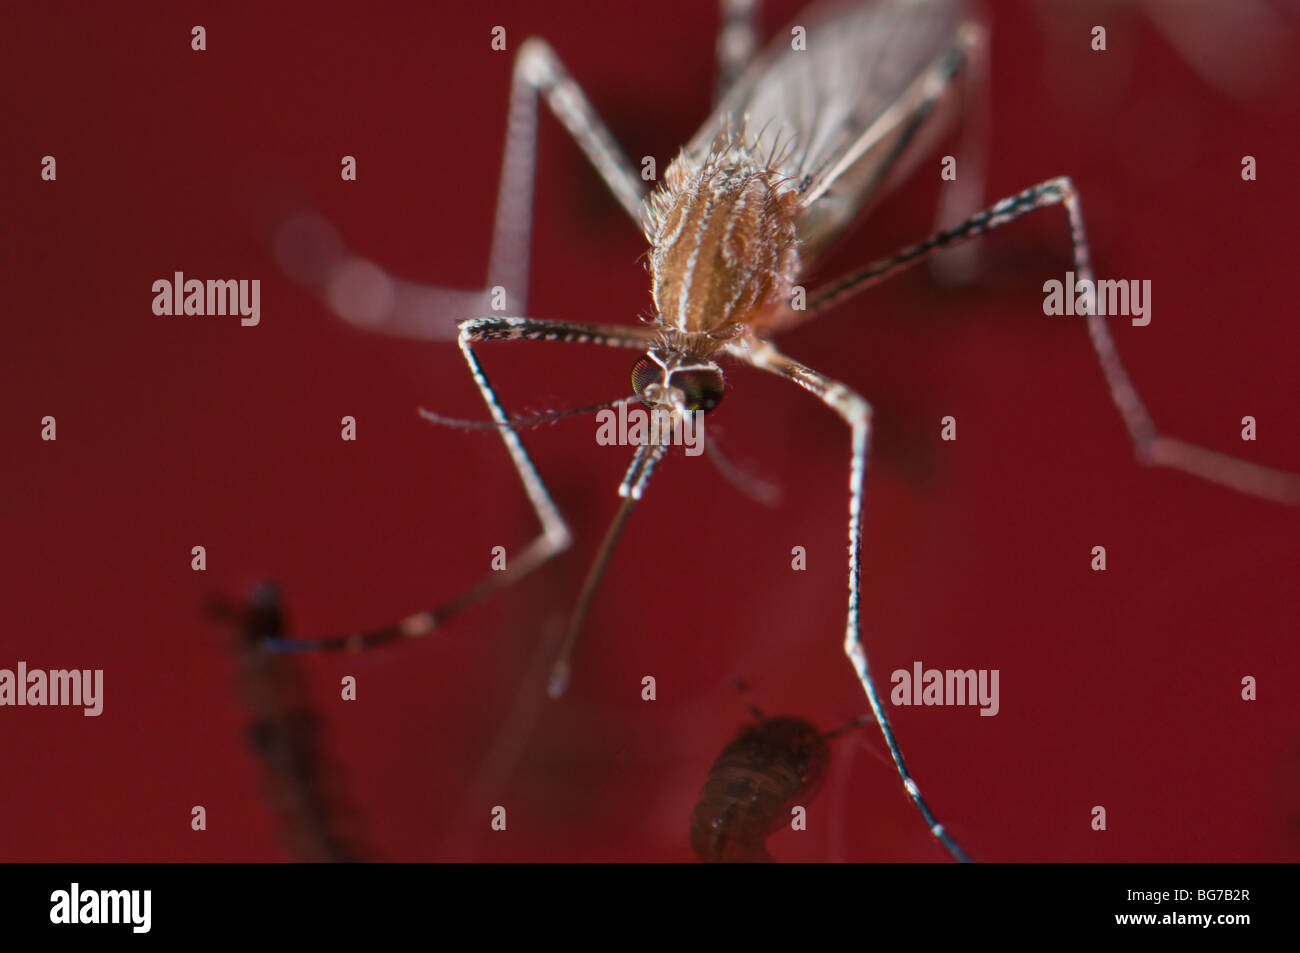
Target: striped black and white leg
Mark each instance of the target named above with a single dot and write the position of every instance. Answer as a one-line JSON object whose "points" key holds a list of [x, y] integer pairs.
{"points": [[554, 537], [856, 412], [1149, 445]]}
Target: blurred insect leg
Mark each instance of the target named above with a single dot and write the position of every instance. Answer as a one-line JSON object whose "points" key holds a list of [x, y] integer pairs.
{"points": [[554, 537], [645, 461], [737, 42], [357, 290], [963, 196], [538, 69], [749, 484], [310, 250], [1149, 445], [856, 412], [301, 780]]}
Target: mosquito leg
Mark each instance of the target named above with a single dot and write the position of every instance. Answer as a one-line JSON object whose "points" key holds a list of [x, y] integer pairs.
{"points": [[357, 290], [964, 196], [538, 69], [857, 414], [554, 537], [1149, 445], [737, 42]]}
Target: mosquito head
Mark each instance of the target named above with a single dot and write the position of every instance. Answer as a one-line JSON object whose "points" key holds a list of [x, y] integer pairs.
{"points": [[676, 382]]}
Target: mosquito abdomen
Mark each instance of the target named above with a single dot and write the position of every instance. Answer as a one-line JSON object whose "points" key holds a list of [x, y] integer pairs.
{"points": [[752, 786]]}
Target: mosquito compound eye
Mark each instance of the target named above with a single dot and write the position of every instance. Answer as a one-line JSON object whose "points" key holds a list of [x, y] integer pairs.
{"points": [[644, 373], [702, 389]]}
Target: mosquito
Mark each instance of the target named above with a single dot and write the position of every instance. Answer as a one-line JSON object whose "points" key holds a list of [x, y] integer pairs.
{"points": [[802, 139]]}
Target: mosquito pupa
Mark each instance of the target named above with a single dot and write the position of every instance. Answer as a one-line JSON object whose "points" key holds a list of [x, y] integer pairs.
{"points": [[773, 766]]}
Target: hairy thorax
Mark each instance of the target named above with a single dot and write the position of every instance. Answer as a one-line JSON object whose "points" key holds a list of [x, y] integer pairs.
{"points": [[723, 251]]}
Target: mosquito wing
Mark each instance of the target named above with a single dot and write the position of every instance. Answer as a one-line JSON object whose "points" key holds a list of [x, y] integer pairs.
{"points": [[839, 96]]}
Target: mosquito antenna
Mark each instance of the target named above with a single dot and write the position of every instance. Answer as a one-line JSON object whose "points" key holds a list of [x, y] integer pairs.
{"points": [[633, 486], [516, 423]]}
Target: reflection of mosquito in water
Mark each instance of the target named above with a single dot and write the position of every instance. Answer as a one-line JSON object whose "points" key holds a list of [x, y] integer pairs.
{"points": [[804, 136], [772, 766], [286, 734]]}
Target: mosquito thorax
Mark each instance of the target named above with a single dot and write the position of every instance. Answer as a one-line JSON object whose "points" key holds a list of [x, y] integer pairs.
{"points": [[677, 382], [723, 241]]}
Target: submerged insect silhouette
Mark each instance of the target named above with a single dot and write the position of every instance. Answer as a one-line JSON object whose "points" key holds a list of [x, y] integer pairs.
{"points": [[286, 734], [805, 137], [760, 775], [769, 767]]}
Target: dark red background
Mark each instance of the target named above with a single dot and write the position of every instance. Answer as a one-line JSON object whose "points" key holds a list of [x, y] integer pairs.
{"points": [[1119, 689]]}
